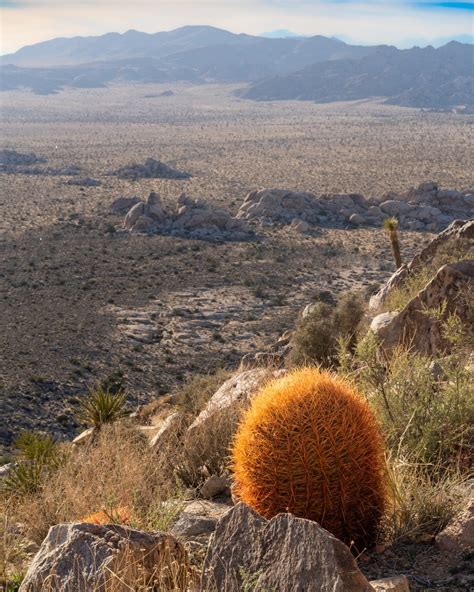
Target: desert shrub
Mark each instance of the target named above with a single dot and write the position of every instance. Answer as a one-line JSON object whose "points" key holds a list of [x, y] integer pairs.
{"points": [[426, 415], [205, 449], [399, 297], [101, 406], [310, 445], [451, 252], [317, 334], [38, 456]]}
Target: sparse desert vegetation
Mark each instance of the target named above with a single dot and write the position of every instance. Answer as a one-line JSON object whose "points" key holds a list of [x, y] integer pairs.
{"points": [[140, 337], [61, 256]]}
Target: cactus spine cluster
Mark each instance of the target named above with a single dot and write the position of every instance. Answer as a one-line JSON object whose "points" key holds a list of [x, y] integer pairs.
{"points": [[310, 445]]}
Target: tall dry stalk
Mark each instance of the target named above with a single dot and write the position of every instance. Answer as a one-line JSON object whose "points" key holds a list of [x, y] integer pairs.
{"points": [[391, 227]]}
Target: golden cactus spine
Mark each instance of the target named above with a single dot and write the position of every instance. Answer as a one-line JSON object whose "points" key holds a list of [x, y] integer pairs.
{"points": [[310, 445]]}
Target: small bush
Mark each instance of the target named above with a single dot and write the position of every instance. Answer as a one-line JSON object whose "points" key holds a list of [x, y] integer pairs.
{"points": [[101, 407], [427, 415], [38, 457], [317, 335], [205, 449]]}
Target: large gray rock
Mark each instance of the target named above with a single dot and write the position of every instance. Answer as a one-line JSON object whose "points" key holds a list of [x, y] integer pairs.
{"points": [[452, 288], [133, 215], [458, 536], [198, 519], [86, 557], [285, 554], [234, 393], [394, 207]]}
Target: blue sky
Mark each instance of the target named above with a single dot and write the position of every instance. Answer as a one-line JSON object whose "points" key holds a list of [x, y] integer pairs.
{"points": [[397, 22]]}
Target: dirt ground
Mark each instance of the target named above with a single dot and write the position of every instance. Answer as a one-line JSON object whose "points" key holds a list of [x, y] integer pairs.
{"points": [[80, 303]]}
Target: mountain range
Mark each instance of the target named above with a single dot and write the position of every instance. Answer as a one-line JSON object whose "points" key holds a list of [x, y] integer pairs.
{"points": [[315, 68]]}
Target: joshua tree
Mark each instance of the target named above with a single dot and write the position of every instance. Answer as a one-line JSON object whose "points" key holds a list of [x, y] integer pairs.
{"points": [[390, 226]]}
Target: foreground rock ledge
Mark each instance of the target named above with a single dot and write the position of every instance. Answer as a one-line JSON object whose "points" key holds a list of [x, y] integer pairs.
{"points": [[451, 288], [285, 554], [88, 557]]}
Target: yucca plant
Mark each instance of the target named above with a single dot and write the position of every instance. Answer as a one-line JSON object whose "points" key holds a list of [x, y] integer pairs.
{"points": [[36, 447], [101, 407], [390, 226], [24, 478], [38, 455]]}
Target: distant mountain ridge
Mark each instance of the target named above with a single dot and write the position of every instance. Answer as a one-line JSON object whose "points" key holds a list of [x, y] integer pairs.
{"points": [[315, 68], [428, 77]]}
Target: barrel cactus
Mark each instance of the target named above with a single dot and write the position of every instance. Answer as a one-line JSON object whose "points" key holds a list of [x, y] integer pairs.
{"points": [[311, 446]]}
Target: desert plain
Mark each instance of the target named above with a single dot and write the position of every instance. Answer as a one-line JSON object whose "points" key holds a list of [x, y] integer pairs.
{"points": [[81, 303]]}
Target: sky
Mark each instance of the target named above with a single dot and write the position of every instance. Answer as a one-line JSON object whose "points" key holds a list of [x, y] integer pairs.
{"points": [[403, 23]]}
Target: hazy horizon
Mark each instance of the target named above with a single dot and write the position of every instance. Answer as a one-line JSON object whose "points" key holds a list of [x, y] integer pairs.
{"points": [[395, 22]]}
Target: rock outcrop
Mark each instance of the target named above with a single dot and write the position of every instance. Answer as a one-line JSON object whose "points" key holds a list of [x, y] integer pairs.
{"points": [[234, 393], [84, 557], [12, 158], [457, 231], [84, 182], [424, 208], [450, 290], [151, 169], [284, 553], [190, 218]]}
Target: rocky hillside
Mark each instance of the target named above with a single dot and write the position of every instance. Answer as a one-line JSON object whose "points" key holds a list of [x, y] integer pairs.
{"points": [[429, 78], [370, 498]]}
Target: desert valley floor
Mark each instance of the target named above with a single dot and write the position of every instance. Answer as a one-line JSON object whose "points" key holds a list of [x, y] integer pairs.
{"points": [[74, 295]]}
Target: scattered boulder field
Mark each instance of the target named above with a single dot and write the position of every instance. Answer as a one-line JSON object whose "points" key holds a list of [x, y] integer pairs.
{"points": [[190, 218], [426, 207]]}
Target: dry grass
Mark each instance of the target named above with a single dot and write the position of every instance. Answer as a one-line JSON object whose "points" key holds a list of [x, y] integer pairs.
{"points": [[119, 469], [194, 395], [422, 501]]}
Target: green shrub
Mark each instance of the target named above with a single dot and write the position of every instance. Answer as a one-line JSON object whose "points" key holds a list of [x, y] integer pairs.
{"points": [[38, 455], [317, 335], [427, 415], [100, 407]]}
